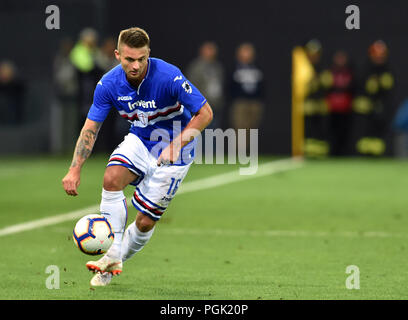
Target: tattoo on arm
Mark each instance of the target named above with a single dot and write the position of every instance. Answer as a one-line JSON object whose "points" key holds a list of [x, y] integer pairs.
{"points": [[84, 146]]}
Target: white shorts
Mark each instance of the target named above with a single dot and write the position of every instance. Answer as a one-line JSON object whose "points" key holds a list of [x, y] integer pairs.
{"points": [[155, 186]]}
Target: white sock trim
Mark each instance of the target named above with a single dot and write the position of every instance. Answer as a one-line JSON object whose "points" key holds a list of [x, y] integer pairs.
{"points": [[112, 196]]}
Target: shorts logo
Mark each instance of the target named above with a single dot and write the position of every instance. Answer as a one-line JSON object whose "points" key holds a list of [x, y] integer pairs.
{"points": [[168, 199], [187, 87]]}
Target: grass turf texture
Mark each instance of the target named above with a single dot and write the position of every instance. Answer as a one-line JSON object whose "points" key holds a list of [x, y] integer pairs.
{"points": [[285, 236]]}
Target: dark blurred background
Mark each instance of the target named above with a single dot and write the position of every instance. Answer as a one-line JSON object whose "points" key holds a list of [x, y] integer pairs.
{"points": [[177, 29]]}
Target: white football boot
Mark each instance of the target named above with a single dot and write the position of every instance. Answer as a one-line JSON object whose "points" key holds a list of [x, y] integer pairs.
{"points": [[105, 264], [101, 279]]}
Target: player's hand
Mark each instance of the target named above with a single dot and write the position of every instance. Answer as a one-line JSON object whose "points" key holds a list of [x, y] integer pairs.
{"points": [[169, 155], [71, 182]]}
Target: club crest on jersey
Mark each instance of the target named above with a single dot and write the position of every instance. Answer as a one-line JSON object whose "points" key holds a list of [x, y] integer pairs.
{"points": [[143, 119], [186, 86]]}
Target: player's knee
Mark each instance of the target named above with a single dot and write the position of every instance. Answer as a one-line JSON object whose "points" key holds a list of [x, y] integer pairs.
{"points": [[111, 182], [144, 223]]}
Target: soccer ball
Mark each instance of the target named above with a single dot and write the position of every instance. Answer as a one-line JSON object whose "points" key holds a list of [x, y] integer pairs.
{"points": [[93, 234]]}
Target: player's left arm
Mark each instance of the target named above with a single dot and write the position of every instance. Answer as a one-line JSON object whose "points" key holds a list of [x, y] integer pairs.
{"points": [[197, 124]]}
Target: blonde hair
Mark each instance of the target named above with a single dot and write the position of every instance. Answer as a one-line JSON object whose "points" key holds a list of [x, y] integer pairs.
{"points": [[134, 38]]}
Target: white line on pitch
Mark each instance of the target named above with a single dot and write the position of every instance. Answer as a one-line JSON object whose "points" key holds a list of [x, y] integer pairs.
{"points": [[280, 233], [201, 184]]}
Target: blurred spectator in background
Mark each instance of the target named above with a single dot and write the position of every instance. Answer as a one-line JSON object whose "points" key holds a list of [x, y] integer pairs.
{"points": [[315, 107], [12, 90], [83, 58], [207, 74], [247, 91], [65, 78], [113, 127], [372, 105], [105, 57], [66, 90], [400, 127], [91, 63], [339, 102]]}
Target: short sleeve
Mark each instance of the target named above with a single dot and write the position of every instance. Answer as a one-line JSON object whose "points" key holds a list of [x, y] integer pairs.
{"points": [[186, 93], [101, 103]]}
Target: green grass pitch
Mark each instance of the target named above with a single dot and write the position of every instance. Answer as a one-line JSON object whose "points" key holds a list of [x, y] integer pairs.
{"points": [[289, 235]]}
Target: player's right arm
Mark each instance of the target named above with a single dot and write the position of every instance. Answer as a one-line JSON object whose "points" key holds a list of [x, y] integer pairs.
{"points": [[98, 112], [83, 150]]}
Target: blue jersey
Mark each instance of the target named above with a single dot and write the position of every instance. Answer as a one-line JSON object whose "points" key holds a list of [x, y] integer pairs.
{"points": [[159, 109]]}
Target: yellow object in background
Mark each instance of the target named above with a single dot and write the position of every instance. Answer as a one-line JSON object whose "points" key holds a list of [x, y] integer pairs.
{"points": [[81, 57], [302, 73]]}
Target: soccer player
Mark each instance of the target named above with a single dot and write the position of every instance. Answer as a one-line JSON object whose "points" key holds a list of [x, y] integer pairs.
{"points": [[167, 112]]}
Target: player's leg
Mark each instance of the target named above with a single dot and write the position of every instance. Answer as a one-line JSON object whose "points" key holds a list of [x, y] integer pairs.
{"points": [[151, 198], [113, 204], [137, 235], [135, 238], [114, 208], [127, 165]]}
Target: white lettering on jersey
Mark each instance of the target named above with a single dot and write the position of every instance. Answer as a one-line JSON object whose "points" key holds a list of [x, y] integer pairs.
{"points": [[177, 78], [124, 98], [143, 104]]}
